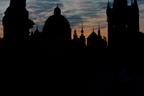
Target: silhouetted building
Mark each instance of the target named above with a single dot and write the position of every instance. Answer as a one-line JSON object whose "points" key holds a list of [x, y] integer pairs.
{"points": [[57, 31], [75, 41], [16, 22], [123, 23], [99, 32], [82, 39], [96, 41], [92, 40]]}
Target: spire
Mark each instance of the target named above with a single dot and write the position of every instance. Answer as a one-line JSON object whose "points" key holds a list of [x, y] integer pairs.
{"points": [[82, 37], [82, 32], [108, 11], [82, 29], [99, 31]]}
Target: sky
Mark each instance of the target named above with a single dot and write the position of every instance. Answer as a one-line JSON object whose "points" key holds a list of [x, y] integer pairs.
{"points": [[89, 12]]}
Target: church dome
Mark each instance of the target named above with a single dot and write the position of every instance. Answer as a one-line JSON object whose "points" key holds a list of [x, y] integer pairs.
{"points": [[57, 29]]}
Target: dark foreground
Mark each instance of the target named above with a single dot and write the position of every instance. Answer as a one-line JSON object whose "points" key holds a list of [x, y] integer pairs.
{"points": [[72, 72]]}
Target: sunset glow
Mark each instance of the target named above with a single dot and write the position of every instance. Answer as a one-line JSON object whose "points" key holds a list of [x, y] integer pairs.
{"points": [[90, 12]]}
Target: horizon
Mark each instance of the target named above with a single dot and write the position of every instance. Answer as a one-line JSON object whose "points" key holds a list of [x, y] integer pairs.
{"points": [[90, 12]]}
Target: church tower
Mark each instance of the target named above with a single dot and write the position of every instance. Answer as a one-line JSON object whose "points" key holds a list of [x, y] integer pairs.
{"points": [[82, 38], [16, 22], [109, 12], [123, 23]]}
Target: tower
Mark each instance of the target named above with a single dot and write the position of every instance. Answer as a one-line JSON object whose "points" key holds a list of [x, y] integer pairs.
{"points": [[16, 22], [123, 23], [82, 38], [109, 12]]}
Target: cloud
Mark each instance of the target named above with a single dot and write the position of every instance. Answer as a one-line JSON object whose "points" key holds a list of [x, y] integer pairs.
{"points": [[91, 12], [75, 10]]}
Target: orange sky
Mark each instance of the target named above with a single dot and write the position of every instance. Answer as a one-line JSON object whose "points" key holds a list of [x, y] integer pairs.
{"points": [[88, 30], [1, 31]]}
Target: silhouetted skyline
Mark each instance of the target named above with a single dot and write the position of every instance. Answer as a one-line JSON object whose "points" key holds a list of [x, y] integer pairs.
{"points": [[95, 75], [56, 31], [122, 18], [86, 12]]}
